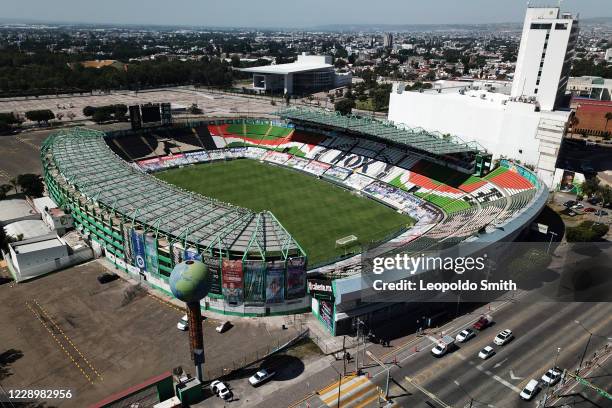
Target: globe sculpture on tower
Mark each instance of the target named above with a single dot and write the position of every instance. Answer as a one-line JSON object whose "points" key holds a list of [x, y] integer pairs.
{"points": [[190, 282]]}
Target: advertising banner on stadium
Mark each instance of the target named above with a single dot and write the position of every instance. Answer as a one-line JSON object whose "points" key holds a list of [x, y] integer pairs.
{"points": [[214, 270], [151, 254], [296, 277], [127, 246], [177, 252], [138, 249], [326, 313], [254, 282], [192, 254], [232, 281], [275, 282]]}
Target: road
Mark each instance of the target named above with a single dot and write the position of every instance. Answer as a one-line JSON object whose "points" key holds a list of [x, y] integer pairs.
{"points": [[539, 329]]}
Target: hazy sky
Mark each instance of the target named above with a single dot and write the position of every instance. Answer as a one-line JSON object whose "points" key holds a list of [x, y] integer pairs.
{"points": [[287, 13]]}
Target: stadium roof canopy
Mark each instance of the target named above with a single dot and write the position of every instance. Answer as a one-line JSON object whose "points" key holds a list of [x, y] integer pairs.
{"points": [[84, 160], [431, 142]]}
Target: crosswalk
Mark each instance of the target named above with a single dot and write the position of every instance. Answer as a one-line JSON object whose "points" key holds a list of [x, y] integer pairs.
{"points": [[355, 392]]}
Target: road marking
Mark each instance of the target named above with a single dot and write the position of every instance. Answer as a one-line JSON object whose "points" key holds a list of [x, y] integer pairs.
{"points": [[426, 392], [489, 373], [355, 391], [59, 343], [497, 365], [67, 339], [514, 377]]}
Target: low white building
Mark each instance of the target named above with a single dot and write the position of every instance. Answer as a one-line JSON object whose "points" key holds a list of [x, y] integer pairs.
{"points": [[309, 74]]}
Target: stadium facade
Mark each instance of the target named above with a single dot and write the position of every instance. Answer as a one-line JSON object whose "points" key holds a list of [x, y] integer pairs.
{"points": [[145, 226]]}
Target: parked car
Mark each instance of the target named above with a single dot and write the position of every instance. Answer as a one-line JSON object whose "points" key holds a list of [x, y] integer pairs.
{"points": [[220, 389], [107, 277], [483, 322], [223, 327], [465, 335], [183, 324], [589, 210], [261, 377], [577, 206], [530, 390], [594, 200], [486, 352], [569, 203], [601, 213], [503, 337], [552, 376]]}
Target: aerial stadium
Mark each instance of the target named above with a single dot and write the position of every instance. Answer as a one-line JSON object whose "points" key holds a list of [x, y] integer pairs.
{"points": [[280, 209]]}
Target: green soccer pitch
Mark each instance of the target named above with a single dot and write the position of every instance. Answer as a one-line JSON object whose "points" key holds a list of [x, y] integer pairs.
{"points": [[314, 211]]}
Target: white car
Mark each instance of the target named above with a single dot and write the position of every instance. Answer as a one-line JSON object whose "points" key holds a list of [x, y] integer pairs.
{"points": [[260, 377], [486, 352], [552, 376], [530, 390], [220, 389], [503, 337], [183, 324], [465, 335]]}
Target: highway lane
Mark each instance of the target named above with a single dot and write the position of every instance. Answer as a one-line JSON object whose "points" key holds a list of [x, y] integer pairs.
{"points": [[539, 328]]}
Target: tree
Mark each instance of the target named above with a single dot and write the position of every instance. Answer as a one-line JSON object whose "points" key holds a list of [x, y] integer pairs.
{"points": [[590, 186], [4, 240], [89, 111], [344, 106], [31, 184], [4, 189], [235, 61], [608, 117], [41, 115], [102, 115], [13, 182]]}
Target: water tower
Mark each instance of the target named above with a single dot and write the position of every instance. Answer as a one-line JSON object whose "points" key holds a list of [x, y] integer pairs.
{"points": [[190, 282]]}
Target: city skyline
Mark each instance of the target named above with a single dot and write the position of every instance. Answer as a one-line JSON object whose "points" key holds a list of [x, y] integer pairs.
{"points": [[273, 14]]}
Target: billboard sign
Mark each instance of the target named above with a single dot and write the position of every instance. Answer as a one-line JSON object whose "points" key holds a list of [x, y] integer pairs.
{"points": [[275, 282], [214, 270], [254, 282], [296, 278], [151, 254], [232, 281], [138, 249]]}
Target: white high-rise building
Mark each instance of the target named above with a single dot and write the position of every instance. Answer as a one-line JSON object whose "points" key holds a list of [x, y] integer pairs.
{"points": [[522, 120], [544, 57]]}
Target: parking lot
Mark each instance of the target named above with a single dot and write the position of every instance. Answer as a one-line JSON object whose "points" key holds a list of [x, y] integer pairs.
{"points": [[67, 331], [211, 103]]}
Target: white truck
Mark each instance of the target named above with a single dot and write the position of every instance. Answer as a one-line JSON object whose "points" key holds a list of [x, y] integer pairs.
{"points": [[444, 345]]}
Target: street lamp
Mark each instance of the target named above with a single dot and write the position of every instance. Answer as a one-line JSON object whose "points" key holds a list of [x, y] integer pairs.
{"points": [[588, 342], [587, 345], [458, 384]]}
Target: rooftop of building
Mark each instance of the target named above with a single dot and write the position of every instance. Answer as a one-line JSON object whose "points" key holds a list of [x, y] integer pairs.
{"points": [[26, 229], [304, 63], [37, 244], [14, 209]]}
